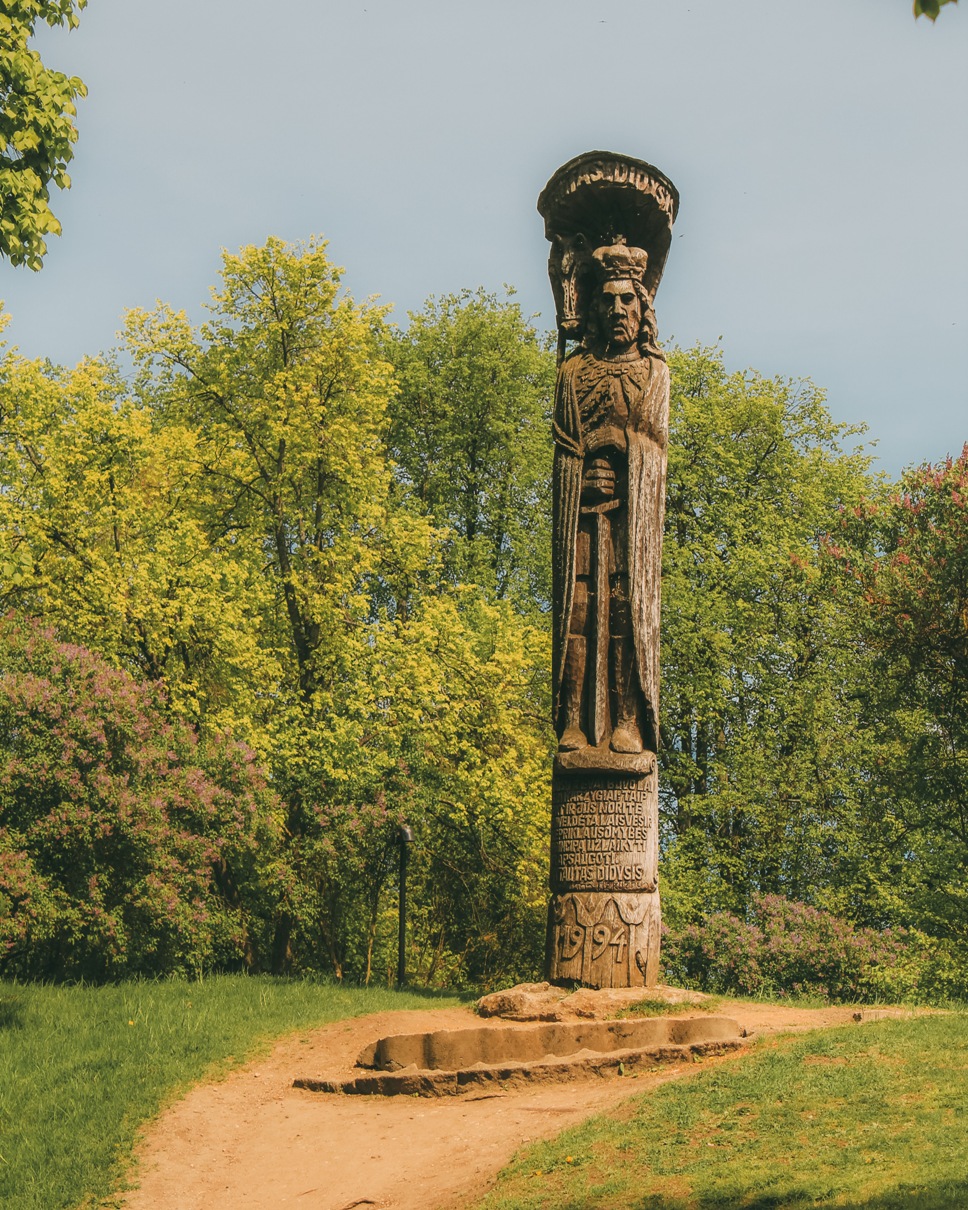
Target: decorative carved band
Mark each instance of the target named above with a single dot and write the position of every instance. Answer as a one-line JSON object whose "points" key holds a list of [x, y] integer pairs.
{"points": [[602, 939]]}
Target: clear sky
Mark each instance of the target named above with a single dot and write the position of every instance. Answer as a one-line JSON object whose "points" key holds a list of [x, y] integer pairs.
{"points": [[820, 148]]}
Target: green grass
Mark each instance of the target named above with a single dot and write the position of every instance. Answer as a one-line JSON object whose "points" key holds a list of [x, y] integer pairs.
{"points": [[662, 1008], [81, 1068], [872, 1116]]}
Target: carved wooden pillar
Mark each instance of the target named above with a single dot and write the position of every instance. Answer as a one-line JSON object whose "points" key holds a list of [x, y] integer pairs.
{"points": [[609, 219], [604, 918]]}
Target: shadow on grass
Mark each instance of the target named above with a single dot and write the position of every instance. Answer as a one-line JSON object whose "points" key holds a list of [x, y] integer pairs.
{"points": [[465, 995], [906, 1197], [952, 1195], [11, 1013], [437, 993]]}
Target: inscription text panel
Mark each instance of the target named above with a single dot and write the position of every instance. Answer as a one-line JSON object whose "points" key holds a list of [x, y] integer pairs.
{"points": [[603, 833]]}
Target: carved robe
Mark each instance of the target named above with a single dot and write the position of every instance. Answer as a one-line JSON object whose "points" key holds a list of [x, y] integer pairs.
{"points": [[591, 392]]}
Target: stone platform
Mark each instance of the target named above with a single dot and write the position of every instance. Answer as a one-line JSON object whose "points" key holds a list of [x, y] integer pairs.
{"points": [[547, 1002], [514, 1049]]}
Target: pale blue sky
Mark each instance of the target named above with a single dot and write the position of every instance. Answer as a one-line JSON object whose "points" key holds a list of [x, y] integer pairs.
{"points": [[819, 147]]}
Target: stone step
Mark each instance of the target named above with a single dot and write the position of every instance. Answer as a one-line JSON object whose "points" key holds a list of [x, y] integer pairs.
{"points": [[452, 1062]]}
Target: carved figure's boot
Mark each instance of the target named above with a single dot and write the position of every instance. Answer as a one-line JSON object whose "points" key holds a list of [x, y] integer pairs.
{"points": [[572, 736], [627, 736]]}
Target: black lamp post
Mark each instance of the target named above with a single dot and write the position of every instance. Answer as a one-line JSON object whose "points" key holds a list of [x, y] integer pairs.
{"points": [[405, 838]]}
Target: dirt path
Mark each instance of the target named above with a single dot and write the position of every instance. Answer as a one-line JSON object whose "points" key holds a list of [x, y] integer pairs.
{"points": [[253, 1141]]}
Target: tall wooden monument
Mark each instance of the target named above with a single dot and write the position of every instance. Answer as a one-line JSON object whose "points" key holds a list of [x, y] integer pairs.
{"points": [[609, 219]]}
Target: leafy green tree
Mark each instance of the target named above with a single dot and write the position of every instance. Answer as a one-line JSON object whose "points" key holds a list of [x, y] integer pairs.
{"points": [[470, 434], [234, 533], [470, 438], [477, 745], [390, 691], [37, 131], [904, 560], [285, 393], [103, 531], [756, 766]]}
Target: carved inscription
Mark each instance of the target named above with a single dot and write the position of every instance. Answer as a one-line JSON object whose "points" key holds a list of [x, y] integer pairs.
{"points": [[603, 833], [605, 938], [622, 173]]}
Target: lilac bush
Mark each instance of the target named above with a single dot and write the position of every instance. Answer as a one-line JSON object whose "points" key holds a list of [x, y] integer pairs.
{"points": [[127, 845], [786, 948]]}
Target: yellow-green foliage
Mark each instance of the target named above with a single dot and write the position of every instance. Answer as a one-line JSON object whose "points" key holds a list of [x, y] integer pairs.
{"points": [[101, 531], [234, 530], [37, 131], [329, 540]]}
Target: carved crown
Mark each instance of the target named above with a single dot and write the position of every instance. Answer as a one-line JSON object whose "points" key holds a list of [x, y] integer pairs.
{"points": [[619, 262]]}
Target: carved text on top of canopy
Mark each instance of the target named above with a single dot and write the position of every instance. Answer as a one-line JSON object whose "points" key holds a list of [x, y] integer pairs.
{"points": [[622, 173]]}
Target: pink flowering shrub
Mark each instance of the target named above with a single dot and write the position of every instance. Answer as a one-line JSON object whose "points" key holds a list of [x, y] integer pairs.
{"points": [[786, 948], [126, 844]]}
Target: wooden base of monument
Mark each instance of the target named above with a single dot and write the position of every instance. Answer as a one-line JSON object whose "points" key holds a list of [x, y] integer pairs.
{"points": [[604, 919], [604, 939]]}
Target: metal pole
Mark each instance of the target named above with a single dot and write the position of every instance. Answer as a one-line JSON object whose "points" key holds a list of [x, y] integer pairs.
{"points": [[406, 839]]}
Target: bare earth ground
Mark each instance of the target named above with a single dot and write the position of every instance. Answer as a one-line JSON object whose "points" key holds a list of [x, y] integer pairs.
{"points": [[254, 1141]]}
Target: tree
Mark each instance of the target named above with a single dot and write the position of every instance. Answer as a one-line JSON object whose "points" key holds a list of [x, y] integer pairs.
{"points": [[470, 434], [470, 438], [37, 131], [285, 393], [392, 693], [906, 560], [104, 531], [756, 765], [233, 532], [476, 745]]}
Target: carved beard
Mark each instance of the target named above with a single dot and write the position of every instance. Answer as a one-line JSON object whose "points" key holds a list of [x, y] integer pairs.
{"points": [[605, 388], [599, 330], [623, 333]]}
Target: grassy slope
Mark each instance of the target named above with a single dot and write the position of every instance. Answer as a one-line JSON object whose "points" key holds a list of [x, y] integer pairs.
{"points": [[872, 1116], [81, 1068]]}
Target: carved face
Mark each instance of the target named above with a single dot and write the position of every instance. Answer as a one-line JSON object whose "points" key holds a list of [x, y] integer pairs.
{"points": [[621, 314]]}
